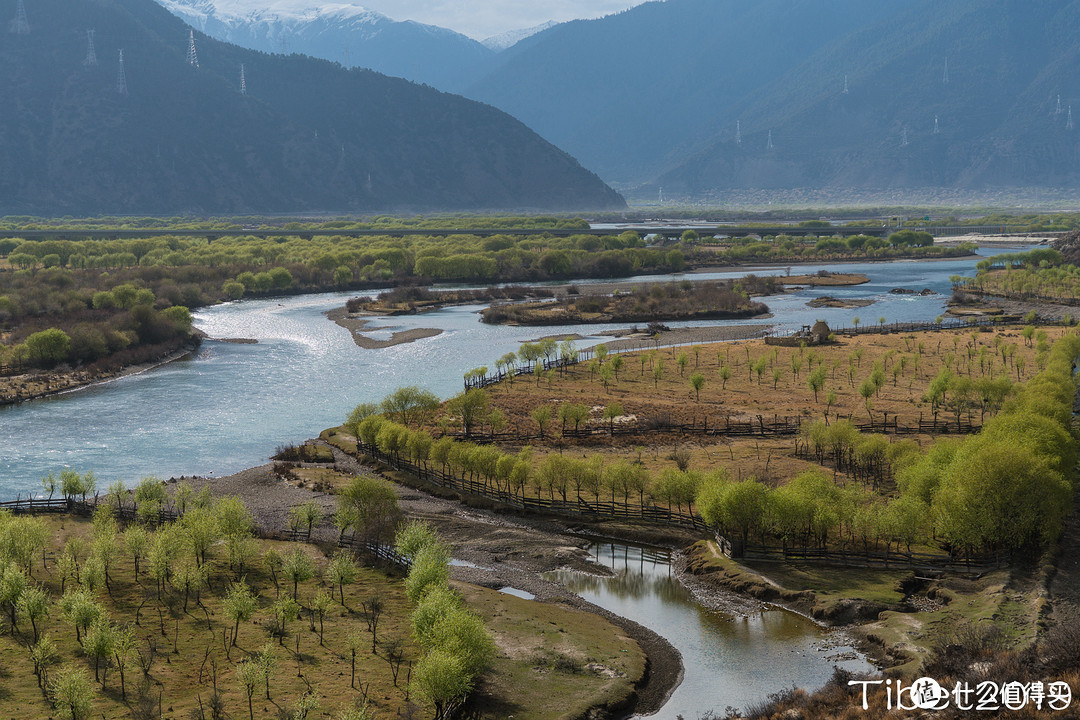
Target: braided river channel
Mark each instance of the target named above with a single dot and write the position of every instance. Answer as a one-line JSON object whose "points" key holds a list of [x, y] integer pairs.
{"points": [[227, 407]]}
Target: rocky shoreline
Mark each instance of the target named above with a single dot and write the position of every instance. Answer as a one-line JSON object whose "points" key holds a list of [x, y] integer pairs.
{"points": [[32, 386]]}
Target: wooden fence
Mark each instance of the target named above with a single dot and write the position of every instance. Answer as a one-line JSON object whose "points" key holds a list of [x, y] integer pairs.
{"points": [[129, 513], [726, 427], [574, 507], [867, 329], [854, 557]]}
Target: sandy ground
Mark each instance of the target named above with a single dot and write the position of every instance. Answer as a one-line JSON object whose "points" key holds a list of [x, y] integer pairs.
{"points": [[1045, 310], [356, 324], [500, 550], [687, 335], [1003, 240]]}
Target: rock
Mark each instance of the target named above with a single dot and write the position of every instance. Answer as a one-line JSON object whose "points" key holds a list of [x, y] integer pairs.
{"points": [[901, 291]]}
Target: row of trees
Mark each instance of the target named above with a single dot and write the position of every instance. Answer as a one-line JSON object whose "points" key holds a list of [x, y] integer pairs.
{"points": [[1011, 484], [456, 646]]}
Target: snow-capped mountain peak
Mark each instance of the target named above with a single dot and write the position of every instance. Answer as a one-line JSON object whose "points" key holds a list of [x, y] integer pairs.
{"points": [[509, 38], [281, 10]]}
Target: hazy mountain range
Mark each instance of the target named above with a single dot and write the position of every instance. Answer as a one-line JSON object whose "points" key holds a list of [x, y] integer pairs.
{"points": [[684, 94], [343, 32], [168, 136]]}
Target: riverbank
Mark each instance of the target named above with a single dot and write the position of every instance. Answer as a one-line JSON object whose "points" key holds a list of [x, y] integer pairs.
{"points": [[491, 550], [34, 385]]}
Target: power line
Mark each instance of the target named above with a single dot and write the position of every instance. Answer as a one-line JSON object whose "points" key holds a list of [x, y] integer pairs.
{"points": [[121, 76], [91, 55], [20, 25], [192, 57]]}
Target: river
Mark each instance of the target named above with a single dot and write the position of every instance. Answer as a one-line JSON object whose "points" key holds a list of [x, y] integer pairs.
{"points": [[230, 405], [727, 661]]}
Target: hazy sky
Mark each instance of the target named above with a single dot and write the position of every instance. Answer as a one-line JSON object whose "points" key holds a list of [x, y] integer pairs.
{"points": [[484, 18]]}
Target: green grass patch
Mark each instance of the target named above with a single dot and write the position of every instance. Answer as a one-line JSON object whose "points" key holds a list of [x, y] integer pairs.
{"points": [[552, 661]]}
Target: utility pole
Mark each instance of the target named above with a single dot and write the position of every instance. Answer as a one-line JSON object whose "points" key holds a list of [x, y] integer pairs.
{"points": [[91, 55], [192, 57], [121, 77], [20, 25]]}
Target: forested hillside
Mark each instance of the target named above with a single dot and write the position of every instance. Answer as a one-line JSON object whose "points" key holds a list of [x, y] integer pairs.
{"points": [[299, 135], [344, 33], [629, 93]]}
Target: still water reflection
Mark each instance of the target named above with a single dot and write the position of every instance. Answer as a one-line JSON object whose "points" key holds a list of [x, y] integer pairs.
{"points": [[728, 661]]}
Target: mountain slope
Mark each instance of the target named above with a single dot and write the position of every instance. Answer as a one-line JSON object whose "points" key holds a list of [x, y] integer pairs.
{"points": [[307, 136], [343, 32], [640, 88], [502, 41], [990, 121]]}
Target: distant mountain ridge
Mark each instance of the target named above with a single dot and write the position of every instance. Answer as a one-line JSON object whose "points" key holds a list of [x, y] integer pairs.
{"points": [[343, 32], [502, 41], [972, 94], [641, 89], [307, 136], [701, 97]]}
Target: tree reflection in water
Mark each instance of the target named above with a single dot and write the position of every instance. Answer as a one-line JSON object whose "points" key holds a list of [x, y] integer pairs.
{"points": [[727, 660]]}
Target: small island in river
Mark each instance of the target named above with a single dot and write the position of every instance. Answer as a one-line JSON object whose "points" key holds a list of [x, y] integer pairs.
{"points": [[645, 303]]}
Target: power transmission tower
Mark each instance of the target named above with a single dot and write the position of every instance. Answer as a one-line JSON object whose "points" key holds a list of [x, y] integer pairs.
{"points": [[769, 145], [91, 55], [243, 80], [903, 138], [192, 57], [1068, 121], [1059, 110], [738, 132], [20, 25], [945, 74], [661, 194], [936, 128], [845, 92], [121, 76]]}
